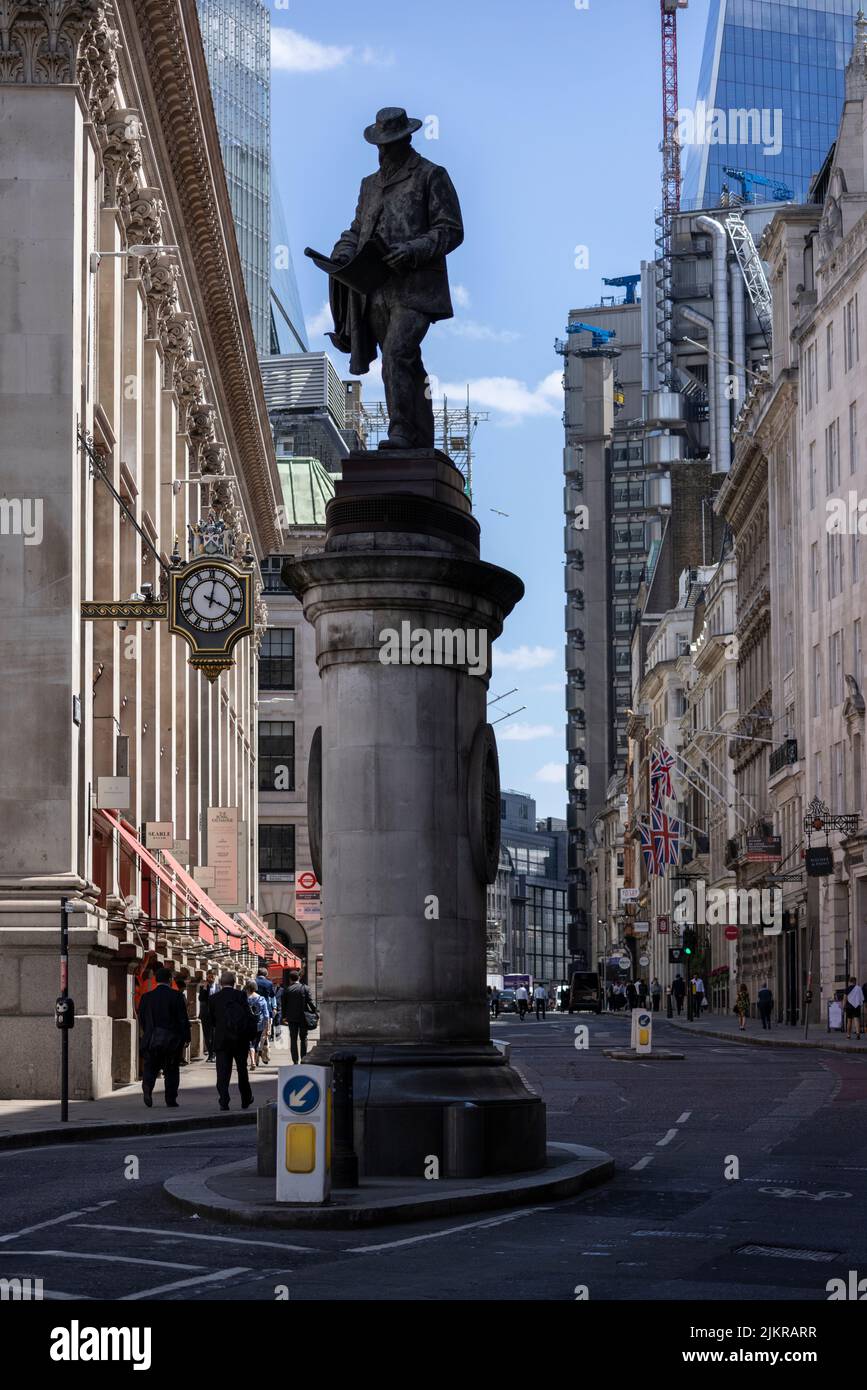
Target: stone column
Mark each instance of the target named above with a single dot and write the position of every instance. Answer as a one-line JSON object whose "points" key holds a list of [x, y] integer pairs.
{"points": [[410, 810]]}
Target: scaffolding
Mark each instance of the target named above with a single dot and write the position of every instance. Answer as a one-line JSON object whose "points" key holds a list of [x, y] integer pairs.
{"points": [[454, 431]]}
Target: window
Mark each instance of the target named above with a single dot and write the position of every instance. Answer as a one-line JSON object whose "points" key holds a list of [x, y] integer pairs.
{"points": [[856, 772], [810, 377], [835, 564], [853, 437], [850, 333], [857, 653], [277, 850], [838, 788], [817, 681], [277, 659], [811, 469], [832, 456], [277, 756], [835, 668], [271, 580], [829, 355], [815, 577], [855, 556], [817, 774]]}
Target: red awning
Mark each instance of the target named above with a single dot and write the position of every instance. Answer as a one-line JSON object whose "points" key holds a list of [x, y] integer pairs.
{"points": [[133, 843]]}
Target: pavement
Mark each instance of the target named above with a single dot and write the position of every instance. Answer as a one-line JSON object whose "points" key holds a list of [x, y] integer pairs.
{"points": [[778, 1035], [38, 1122], [740, 1174]]}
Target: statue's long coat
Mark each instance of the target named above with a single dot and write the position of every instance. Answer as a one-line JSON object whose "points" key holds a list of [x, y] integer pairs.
{"points": [[418, 207]]}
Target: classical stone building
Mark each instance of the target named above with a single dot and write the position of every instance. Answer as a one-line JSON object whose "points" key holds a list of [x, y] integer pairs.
{"points": [[131, 405]]}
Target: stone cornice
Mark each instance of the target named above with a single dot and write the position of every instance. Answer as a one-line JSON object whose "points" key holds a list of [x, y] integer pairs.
{"points": [[164, 48]]}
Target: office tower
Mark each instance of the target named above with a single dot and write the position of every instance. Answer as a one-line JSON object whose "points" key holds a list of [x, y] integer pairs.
{"points": [[237, 41], [770, 93]]}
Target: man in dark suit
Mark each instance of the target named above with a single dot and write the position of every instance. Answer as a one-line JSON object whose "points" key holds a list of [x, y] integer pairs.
{"points": [[297, 1004], [411, 207], [234, 1027], [164, 1029]]}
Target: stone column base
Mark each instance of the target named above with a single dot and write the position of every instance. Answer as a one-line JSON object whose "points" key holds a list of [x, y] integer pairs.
{"points": [[402, 1093]]}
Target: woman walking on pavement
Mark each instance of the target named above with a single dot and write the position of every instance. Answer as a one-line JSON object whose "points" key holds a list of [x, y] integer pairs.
{"points": [[742, 1007]]}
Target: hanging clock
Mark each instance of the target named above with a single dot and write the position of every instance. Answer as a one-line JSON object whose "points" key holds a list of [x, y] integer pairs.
{"points": [[211, 607]]}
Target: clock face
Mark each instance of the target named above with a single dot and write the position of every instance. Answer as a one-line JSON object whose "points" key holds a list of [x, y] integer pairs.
{"points": [[211, 599]]}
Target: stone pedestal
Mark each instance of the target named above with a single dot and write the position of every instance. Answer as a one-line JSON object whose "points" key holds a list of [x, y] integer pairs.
{"points": [[404, 611]]}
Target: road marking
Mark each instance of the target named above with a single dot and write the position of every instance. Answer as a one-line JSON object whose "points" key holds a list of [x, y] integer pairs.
{"points": [[684, 1117], [666, 1138], [183, 1235], [115, 1259], [57, 1220], [642, 1163], [184, 1284], [452, 1231]]}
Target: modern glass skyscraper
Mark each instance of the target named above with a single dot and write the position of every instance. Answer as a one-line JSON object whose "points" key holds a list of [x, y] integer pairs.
{"points": [[237, 42], [770, 93]]}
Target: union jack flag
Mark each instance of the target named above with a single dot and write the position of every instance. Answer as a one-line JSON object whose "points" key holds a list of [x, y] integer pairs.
{"points": [[647, 848], [661, 763], [665, 833]]}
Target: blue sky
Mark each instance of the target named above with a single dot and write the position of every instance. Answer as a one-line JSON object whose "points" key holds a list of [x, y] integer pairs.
{"points": [[549, 124]]}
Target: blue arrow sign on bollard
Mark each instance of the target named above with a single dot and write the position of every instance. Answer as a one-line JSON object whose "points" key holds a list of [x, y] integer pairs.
{"points": [[301, 1095]]}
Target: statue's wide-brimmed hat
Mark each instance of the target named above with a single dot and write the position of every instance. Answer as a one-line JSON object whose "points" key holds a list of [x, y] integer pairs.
{"points": [[392, 123]]}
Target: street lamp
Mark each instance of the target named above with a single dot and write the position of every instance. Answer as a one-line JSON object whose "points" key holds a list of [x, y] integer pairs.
{"points": [[138, 249]]}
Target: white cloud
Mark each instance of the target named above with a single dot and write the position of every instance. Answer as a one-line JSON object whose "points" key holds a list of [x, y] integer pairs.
{"points": [[526, 733], [480, 332], [523, 658], [294, 52], [461, 296], [555, 688], [512, 398], [552, 772], [321, 321]]}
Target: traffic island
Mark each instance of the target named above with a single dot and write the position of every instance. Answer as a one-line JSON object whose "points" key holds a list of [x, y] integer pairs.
{"points": [[631, 1054], [235, 1192]]}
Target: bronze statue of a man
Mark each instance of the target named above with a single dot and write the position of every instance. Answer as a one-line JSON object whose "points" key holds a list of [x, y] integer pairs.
{"points": [[409, 211]]}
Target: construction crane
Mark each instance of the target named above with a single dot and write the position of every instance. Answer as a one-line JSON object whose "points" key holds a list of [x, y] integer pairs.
{"points": [[753, 272], [670, 183], [601, 336], [626, 282], [746, 178]]}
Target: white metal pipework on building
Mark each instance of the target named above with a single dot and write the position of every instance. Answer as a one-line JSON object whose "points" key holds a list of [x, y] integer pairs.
{"points": [[702, 321], [739, 336], [720, 365]]}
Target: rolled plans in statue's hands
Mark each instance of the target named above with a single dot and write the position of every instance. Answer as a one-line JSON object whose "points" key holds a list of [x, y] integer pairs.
{"points": [[364, 272]]}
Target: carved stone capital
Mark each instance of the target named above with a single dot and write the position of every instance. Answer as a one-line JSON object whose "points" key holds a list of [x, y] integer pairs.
{"points": [[160, 279], [189, 386], [122, 158], [40, 40], [201, 427], [145, 216], [98, 68], [213, 459], [176, 336]]}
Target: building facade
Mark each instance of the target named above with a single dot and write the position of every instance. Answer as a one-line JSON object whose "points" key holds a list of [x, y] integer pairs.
{"points": [[539, 944], [132, 408], [775, 72], [237, 40]]}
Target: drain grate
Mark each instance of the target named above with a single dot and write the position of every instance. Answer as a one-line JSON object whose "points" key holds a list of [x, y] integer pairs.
{"points": [[788, 1252]]}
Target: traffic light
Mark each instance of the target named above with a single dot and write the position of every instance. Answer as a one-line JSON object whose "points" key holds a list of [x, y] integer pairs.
{"points": [[689, 940]]}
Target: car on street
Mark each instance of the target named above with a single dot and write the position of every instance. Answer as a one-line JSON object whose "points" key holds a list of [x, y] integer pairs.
{"points": [[508, 1002]]}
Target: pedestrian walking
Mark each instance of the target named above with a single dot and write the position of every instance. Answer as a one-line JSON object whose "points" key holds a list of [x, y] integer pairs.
{"points": [[765, 1002], [678, 990], [655, 994], [300, 1013], [234, 1026], [206, 1016], [495, 1002], [165, 1032], [632, 995], [700, 1000], [854, 1003], [642, 993], [259, 1041], [609, 997], [540, 999], [522, 999], [742, 1007]]}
